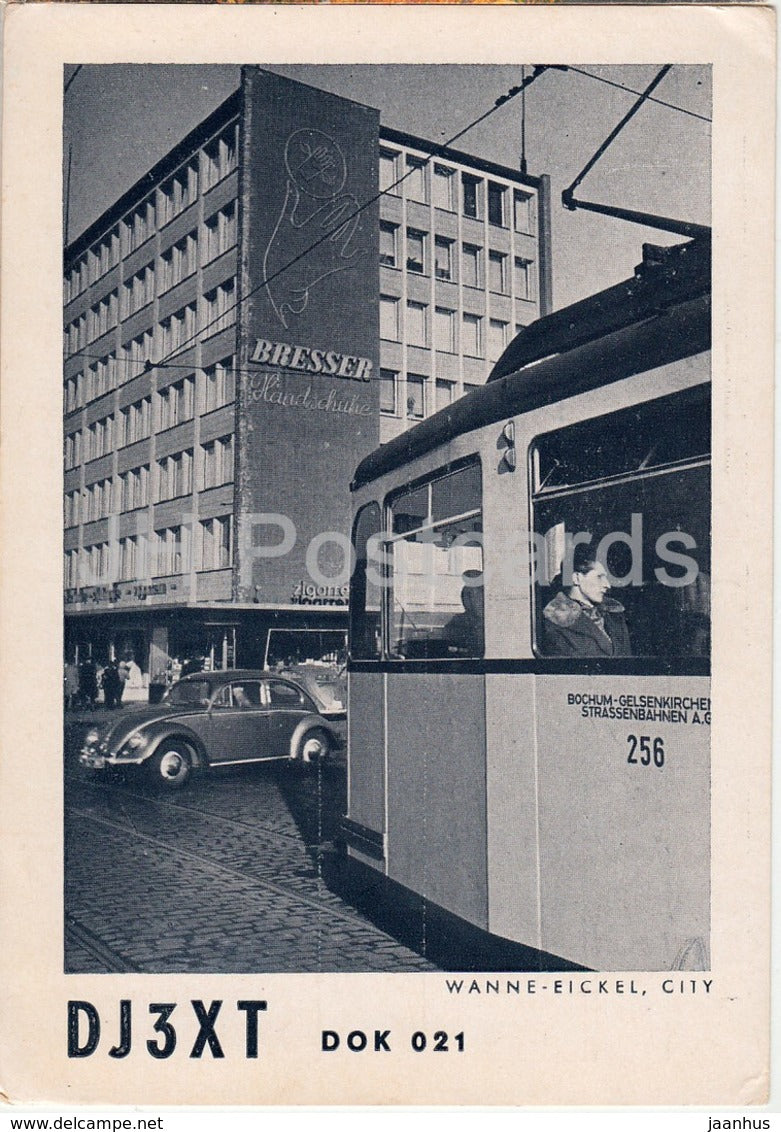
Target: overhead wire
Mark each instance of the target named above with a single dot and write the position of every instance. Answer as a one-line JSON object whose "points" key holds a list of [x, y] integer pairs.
{"points": [[443, 146], [631, 90], [165, 361]]}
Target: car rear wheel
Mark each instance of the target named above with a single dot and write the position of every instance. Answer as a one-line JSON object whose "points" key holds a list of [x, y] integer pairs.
{"points": [[171, 765], [313, 746]]}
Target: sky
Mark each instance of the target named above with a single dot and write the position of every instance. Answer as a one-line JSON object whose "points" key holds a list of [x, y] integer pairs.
{"points": [[120, 119]]}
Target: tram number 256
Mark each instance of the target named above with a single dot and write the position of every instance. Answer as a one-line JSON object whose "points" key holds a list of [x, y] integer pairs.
{"points": [[645, 750]]}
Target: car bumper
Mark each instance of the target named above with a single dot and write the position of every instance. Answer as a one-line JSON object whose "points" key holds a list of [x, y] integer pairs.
{"points": [[98, 760]]}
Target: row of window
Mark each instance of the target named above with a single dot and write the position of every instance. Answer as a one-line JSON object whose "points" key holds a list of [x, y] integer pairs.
{"points": [[415, 396], [175, 404], [645, 468], [217, 160], [172, 550], [417, 260], [218, 311], [425, 181], [175, 477], [473, 340]]}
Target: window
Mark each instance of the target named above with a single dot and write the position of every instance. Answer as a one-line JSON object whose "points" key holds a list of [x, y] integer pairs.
{"points": [[216, 543], [442, 184], [177, 330], [472, 343], [106, 254], [389, 318], [99, 438], [497, 338], [220, 157], [72, 450], [388, 391], [70, 395], [134, 488], [417, 331], [178, 192], [497, 272], [444, 394], [445, 330], [523, 212], [172, 550], [98, 501], [175, 403], [415, 179], [523, 278], [103, 317], [100, 378], [76, 335], [132, 558], [217, 462], [137, 353], [496, 206], [139, 226], [637, 482], [72, 508], [281, 696], [470, 189], [416, 251], [98, 562], [138, 291], [471, 274], [443, 258], [366, 586], [220, 233], [175, 475], [178, 262], [388, 244], [220, 308], [388, 171], [71, 578], [435, 544], [415, 396], [136, 421], [218, 385]]}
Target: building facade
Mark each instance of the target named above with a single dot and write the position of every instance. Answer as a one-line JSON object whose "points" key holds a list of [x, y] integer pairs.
{"points": [[290, 286]]}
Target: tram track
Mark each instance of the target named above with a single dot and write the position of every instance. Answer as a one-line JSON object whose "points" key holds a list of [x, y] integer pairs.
{"points": [[218, 870], [76, 933], [115, 789]]}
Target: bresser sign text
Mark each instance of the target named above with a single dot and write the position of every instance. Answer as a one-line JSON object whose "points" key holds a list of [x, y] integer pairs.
{"points": [[283, 355]]}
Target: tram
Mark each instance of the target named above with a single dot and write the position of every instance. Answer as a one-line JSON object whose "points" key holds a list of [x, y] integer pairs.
{"points": [[547, 795]]}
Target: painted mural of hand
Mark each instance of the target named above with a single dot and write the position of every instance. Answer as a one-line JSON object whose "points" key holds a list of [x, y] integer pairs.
{"points": [[307, 246], [317, 233]]}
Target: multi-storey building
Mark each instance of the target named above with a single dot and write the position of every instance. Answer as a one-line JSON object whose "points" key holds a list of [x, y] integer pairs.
{"points": [[291, 285]]}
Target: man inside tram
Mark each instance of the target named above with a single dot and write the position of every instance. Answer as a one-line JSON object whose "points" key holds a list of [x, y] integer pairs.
{"points": [[582, 620]]}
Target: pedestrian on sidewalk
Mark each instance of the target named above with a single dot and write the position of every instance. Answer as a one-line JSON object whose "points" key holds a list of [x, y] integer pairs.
{"points": [[112, 685]]}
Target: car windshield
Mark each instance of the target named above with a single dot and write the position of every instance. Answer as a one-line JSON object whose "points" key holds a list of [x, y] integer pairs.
{"points": [[188, 692]]}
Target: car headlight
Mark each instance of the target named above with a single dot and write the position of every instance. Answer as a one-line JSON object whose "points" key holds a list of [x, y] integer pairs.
{"points": [[132, 744]]}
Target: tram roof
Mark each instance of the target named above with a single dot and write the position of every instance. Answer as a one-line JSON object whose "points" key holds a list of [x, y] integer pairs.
{"points": [[660, 315]]}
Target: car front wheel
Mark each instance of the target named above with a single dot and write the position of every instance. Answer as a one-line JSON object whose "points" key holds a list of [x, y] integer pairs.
{"points": [[313, 746], [171, 765]]}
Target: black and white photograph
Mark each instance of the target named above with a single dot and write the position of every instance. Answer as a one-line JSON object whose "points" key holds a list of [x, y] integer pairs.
{"points": [[345, 423], [406, 627]]}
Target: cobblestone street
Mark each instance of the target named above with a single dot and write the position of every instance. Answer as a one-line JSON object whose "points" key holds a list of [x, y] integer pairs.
{"points": [[224, 876]]}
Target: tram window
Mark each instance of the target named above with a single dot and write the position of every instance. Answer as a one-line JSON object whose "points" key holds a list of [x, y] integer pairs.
{"points": [[637, 482], [435, 599], [366, 586]]}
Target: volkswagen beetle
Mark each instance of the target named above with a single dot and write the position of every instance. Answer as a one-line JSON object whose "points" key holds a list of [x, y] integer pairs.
{"points": [[214, 719]]}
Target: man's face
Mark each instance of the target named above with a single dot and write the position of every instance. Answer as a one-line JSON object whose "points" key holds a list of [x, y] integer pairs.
{"points": [[593, 584]]}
